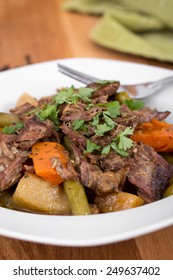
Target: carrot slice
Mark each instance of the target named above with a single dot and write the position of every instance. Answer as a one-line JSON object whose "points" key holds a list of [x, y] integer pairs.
{"points": [[157, 134], [42, 154]]}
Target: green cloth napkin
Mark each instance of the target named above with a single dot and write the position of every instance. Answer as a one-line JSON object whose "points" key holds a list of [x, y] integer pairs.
{"points": [[139, 27]]}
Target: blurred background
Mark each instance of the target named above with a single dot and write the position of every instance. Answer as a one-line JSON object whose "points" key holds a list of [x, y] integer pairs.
{"points": [[33, 31]]}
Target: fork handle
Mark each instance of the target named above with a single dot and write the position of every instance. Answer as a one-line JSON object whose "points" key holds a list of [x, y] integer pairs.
{"points": [[81, 77], [163, 82]]}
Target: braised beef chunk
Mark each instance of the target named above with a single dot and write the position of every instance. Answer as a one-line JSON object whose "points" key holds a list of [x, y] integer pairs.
{"points": [[134, 117], [149, 172], [34, 130], [10, 165], [22, 109], [146, 114], [113, 162], [8, 138], [101, 182], [75, 137], [15, 148], [107, 89], [78, 111]]}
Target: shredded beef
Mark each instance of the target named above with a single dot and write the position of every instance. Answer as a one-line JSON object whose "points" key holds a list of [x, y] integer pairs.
{"points": [[66, 172], [34, 130], [101, 182], [10, 165], [149, 172], [8, 138], [147, 114], [107, 89], [134, 117], [77, 155], [78, 111], [22, 109], [113, 162], [75, 137]]}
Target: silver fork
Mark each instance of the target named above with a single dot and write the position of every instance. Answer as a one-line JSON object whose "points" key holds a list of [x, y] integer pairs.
{"points": [[137, 91]]}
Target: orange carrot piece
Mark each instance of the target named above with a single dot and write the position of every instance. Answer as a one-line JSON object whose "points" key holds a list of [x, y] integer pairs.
{"points": [[157, 134], [42, 153]]}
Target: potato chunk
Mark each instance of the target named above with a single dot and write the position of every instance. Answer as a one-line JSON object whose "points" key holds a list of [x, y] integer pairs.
{"points": [[26, 98], [36, 195], [117, 201]]}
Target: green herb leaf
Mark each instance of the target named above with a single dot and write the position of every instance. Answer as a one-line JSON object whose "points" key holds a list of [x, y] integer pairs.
{"points": [[66, 95], [90, 105], [106, 125], [113, 109], [79, 124], [134, 104], [71, 95], [118, 150], [123, 142], [108, 120], [102, 128], [49, 112], [91, 147], [8, 130], [85, 93], [106, 150], [12, 128], [96, 120], [127, 131]]}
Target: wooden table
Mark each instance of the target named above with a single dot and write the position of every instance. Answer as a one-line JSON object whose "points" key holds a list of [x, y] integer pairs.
{"points": [[36, 31]]}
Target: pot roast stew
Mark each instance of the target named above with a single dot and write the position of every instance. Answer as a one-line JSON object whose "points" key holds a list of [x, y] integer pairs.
{"points": [[84, 151]]}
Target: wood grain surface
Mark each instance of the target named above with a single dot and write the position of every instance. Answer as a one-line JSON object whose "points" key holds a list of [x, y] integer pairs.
{"points": [[36, 31]]}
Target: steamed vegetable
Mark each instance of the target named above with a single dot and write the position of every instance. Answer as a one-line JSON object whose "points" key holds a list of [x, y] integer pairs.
{"points": [[44, 155], [157, 134], [168, 157], [77, 197], [35, 194], [122, 96], [169, 190], [8, 119], [26, 98], [118, 201]]}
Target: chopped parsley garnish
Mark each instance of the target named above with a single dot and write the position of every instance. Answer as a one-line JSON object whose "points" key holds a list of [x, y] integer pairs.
{"points": [[79, 124], [67, 95], [49, 112], [106, 126], [91, 147], [113, 108], [12, 128], [96, 120], [124, 142], [71, 95], [85, 93], [104, 122], [121, 143], [134, 104]]}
